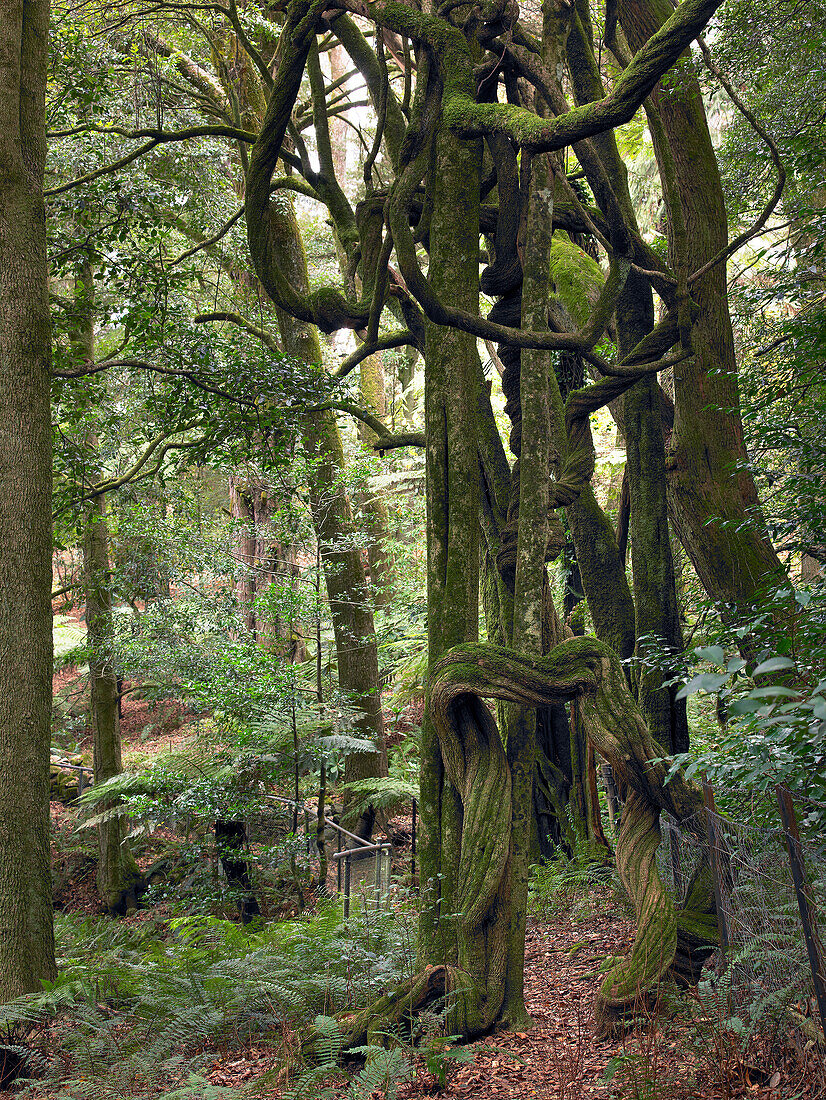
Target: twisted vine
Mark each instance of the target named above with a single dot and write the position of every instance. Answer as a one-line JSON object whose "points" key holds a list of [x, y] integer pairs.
{"points": [[588, 670]]}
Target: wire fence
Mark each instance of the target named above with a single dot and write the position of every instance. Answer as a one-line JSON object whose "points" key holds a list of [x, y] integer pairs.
{"points": [[352, 862], [770, 889]]}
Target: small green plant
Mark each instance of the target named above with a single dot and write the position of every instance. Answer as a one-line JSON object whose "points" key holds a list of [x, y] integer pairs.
{"points": [[558, 885], [441, 1055]]}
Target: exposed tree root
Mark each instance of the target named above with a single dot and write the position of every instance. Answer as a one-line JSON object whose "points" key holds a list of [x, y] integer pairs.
{"points": [[393, 1011]]}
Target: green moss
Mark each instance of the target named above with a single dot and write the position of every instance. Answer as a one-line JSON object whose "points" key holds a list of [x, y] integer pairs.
{"points": [[577, 277], [700, 926]]}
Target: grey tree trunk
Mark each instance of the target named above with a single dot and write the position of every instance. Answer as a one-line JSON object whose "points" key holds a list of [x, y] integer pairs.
{"points": [[117, 873], [26, 927]]}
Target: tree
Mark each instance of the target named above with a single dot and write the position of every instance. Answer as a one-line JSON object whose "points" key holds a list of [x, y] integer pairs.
{"points": [[471, 125], [26, 934], [473, 920]]}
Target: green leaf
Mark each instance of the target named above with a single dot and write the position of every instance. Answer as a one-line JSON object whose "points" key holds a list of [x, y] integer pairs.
{"points": [[712, 653], [773, 664], [772, 691], [745, 706], [705, 681]]}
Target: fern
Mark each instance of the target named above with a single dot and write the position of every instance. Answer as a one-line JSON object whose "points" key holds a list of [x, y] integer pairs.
{"points": [[381, 792], [137, 1012]]}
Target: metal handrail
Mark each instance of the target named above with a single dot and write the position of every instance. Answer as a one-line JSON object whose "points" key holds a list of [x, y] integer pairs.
{"points": [[345, 855], [82, 768]]}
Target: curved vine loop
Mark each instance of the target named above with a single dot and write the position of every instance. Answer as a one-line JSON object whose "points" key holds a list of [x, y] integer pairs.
{"points": [[667, 941]]}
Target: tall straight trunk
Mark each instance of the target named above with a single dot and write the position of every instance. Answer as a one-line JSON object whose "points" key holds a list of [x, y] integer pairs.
{"points": [[26, 923], [452, 524], [350, 606], [655, 591], [117, 872], [241, 511], [276, 563], [712, 496], [536, 371], [372, 505]]}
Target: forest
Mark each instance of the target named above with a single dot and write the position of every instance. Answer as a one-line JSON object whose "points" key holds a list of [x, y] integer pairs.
{"points": [[412, 588]]}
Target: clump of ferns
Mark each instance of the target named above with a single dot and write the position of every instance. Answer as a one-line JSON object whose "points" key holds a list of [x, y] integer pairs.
{"points": [[135, 1012]]}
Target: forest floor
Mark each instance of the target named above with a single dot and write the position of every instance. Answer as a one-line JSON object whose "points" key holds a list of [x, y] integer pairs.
{"points": [[690, 1056]]}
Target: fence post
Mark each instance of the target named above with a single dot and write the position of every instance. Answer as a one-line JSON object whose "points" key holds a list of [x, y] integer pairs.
{"points": [[611, 797], [805, 898], [346, 884], [716, 869], [377, 877]]}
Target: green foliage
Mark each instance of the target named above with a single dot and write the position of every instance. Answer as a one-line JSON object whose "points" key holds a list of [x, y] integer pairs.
{"points": [[558, 885], [384, 1070], [401, 784], [137, 1009], [69, 643], [776, 705]]}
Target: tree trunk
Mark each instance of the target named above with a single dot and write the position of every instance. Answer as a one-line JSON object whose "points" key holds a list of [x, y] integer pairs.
{"points": [[241, 511], [371, 502], [656, 611], [350, 607], [452, 524], [712, 496], [117, 873], [26, 923]]}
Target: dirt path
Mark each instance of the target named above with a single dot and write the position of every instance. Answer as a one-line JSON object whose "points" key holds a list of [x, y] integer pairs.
{"points": [[558, 1059]]}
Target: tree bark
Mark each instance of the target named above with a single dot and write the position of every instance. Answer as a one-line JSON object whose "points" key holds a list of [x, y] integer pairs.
{"points": [[117, 873], [241, 511], [371, 502], [26, 923], [350, 606], [452, 523], [712, 497]]}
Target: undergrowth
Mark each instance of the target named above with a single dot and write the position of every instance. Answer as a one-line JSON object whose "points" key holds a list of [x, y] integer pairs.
{"points": [[139, 1010]]}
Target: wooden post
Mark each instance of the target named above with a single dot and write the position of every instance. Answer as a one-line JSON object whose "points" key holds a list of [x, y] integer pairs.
{"points": [[716, 869], [805, 899], [611, 797]]}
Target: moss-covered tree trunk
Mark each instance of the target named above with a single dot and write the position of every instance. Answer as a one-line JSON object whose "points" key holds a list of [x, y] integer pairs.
{"points": [[26, 924], [452, 523], [712, 496], [536, 371], [588, 671]]}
